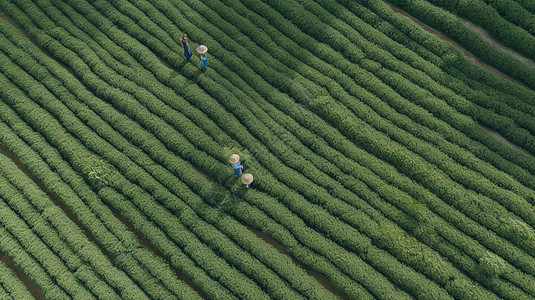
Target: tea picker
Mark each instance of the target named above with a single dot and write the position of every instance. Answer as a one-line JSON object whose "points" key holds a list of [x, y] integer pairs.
{"points": [[202, 51], [246, 179], [187, 49], [235, 162]]}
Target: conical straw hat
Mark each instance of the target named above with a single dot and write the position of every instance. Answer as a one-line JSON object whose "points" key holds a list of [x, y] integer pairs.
{"points": [[247, 178], [202, 49], [234, 158]]}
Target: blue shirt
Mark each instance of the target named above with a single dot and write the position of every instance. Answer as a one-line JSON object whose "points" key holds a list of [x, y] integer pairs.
{"points": [[236, 165], [204, 62], [187, 51], [237, 168]]}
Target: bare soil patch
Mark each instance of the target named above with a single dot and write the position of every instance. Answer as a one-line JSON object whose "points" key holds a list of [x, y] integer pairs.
{"points": [[501, 138]]}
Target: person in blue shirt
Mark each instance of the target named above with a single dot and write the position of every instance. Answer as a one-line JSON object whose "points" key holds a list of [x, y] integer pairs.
{"points": [[202, 49], [187, 49], [235, 162], [246, 179], [204, 61]]}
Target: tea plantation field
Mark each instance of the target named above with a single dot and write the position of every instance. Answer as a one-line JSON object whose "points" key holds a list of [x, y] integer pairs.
{"points": [[386, 164]]}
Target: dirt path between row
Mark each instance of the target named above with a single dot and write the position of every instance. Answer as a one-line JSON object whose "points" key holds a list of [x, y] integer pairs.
{"points": [[3, 150], [144, 242], [322, 279], [472, 57], [32, 288], [29, 284], [465, 52], [486, 36], [7, 18]]}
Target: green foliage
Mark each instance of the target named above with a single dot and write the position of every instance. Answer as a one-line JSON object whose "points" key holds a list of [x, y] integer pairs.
{"points": [[491, 265], [98, 174], [361, 131], [11, 285], [478, 12]]}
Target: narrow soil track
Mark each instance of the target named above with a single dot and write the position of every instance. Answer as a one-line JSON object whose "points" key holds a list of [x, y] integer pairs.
{"points": [[57, 202], [323, 280], [472, 57], [29, 284], [149, 246], [486, 36], [4, 16], [465, 52], [32, 288], [3, 150]]}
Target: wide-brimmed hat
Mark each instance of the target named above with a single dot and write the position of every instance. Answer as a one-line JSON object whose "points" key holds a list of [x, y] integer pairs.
{"points": [[234, 158], [247, 178], [202, 49]]}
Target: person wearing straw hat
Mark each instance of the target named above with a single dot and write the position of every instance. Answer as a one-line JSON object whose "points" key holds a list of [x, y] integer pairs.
{"points": [[202, 51], [236, 164], [187, 49], [246, 179]]}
